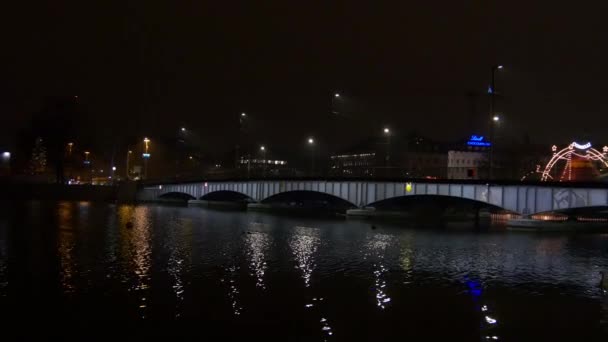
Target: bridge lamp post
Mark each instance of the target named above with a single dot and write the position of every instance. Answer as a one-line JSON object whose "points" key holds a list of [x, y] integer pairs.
{"points": [[263, 150], [311, 143], [495, 118]]}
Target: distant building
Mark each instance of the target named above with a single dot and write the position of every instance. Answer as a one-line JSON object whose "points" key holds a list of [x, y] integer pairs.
{"points": [[353, 164], [467, 164], [414, 157], [259, 166]]}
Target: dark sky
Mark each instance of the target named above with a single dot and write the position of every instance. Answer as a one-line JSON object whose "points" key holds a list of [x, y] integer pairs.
{"points": [[146, 68]]}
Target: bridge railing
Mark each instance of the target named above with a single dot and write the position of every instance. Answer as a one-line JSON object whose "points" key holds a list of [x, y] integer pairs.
{"points": [[341, 178]]}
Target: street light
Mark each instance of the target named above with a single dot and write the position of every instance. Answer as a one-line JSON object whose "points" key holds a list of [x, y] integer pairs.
{"points": [[263, 149], [243, 114], [183, 129], [146, 156], [494, 117], [6, 161], [336, 95], [311, 143], [387, 132]]}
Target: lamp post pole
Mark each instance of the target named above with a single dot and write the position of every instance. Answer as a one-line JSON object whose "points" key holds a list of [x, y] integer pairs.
{"points": [[311, 142], [127, 166], [387, 132], [263, 149], [146, 156], [494, 119]]}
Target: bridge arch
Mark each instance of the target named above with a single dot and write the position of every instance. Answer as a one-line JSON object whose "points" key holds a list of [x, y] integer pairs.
{"points": [[434, 201], [176, 196], [226, 196], [309, 198]]}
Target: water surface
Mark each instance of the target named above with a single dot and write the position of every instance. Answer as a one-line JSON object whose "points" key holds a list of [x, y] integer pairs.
{"points": [[76, 270]]}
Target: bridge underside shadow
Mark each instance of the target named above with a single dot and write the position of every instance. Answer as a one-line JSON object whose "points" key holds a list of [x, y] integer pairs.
{"points": [[433, 206], [304, 199], [175, 197], [227, 196]]}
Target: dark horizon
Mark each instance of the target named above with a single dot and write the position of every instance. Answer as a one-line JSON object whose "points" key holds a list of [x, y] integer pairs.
{"points": [[143, 70]]}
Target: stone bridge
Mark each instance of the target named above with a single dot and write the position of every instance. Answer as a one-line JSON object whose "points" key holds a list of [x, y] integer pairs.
{"points": [[521, 198]]}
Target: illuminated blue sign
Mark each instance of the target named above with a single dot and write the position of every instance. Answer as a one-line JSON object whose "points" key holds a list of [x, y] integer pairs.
{"points": [[87, 162], [478, 140], [146, 155]]}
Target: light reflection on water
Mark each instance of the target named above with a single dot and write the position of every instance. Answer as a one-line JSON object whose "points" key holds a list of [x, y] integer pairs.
{"points": [[66, 245], [257, 246], [141, 251], [376, 253], [304, 244], [332, 277]]}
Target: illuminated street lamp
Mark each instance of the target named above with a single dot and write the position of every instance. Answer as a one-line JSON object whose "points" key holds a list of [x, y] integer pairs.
{"points": [[336, 95], [146, 156], [387, 132], [183, 129], [494, 117], [263, 149], [311, 143], [6, 161], [146, 142]]}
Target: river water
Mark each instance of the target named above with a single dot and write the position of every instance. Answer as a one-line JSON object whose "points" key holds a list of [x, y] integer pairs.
{"points": [[78, 270]]}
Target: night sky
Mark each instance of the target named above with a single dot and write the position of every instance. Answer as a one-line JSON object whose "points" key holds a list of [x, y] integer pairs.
{"points": [[149, 67]]}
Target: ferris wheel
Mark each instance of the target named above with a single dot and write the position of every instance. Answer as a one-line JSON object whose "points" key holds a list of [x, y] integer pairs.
{"points": [[560, 167]]}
